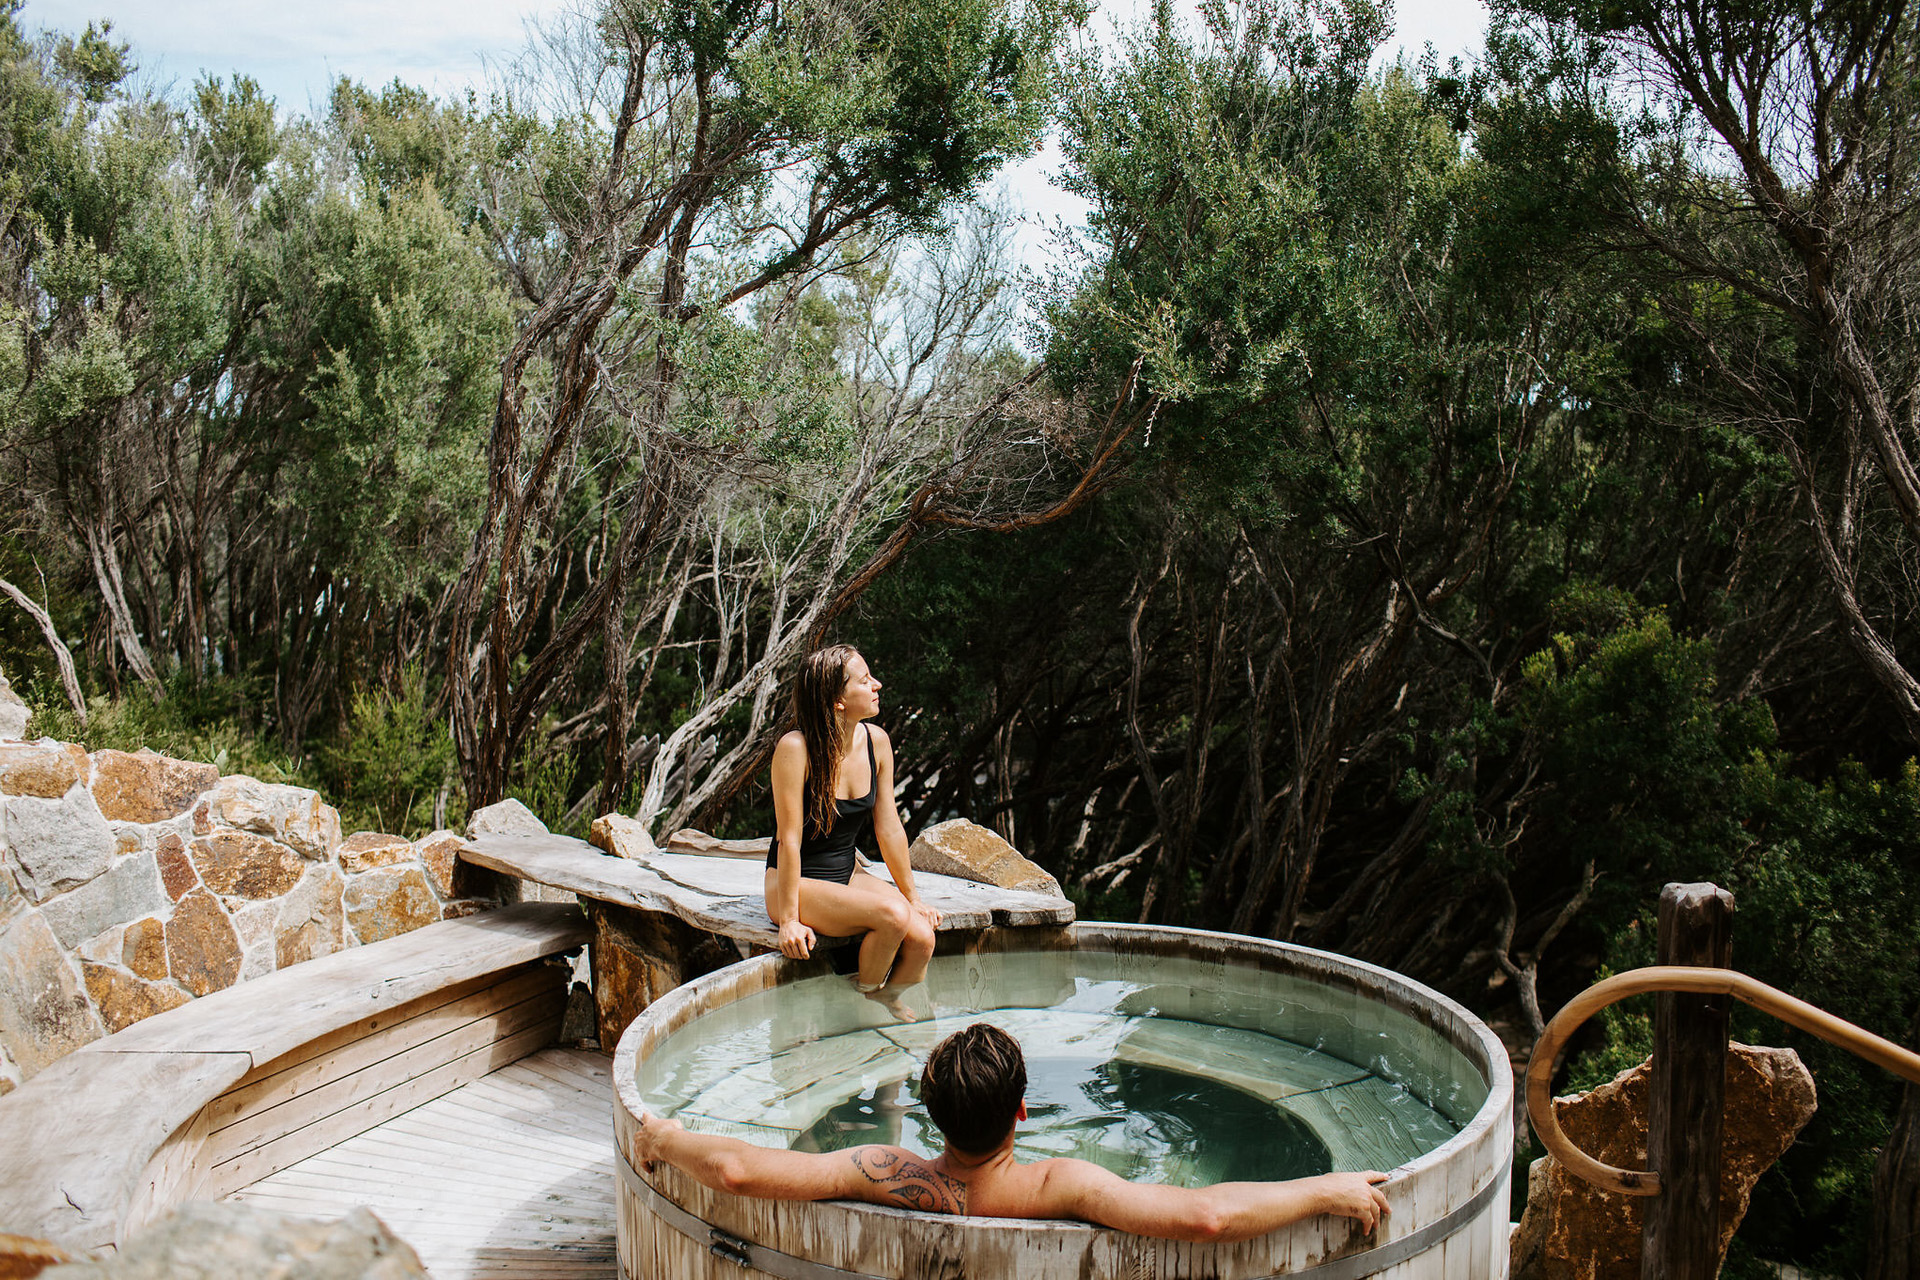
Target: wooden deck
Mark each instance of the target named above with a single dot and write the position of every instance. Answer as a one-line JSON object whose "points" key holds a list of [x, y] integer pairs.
{"points": [[511, 1175]]}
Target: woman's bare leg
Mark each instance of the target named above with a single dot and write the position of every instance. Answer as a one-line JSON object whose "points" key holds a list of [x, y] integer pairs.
{"points": [[875, 909]]}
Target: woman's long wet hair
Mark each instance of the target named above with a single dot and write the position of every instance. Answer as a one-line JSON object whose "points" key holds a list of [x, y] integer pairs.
{"points": [[821, 680]]}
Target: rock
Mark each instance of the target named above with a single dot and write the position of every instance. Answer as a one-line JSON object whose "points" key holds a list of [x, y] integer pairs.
{"points": [[294, 816], [176, 868], [621, 836], [203, 819], [507, 818], [104, 947], [239, 864], [22, 1257], [1574, 1231], [971, 852], [57, 844], [44, 1013], [46, 768], [255, 925], [145, 786], [124, 999], [369, 850], [579, 1025], [130, 889], [203, 952], [311, 921], [439, 853], [12, 902], [688, 840], [385, 904], [14, 715], [460, 908], [222, 1239], [143, 948]]}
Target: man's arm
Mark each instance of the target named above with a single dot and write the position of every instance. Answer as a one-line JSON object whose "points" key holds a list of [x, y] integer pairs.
{"points": [[876, 1174], [1228, 1211]]}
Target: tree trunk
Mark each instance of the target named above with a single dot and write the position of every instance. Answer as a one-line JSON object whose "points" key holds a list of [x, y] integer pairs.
{"points": [[1893, 1245]]}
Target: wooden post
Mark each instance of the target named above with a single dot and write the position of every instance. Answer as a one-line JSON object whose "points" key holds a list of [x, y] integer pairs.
{"points": [[1680, 1237]]}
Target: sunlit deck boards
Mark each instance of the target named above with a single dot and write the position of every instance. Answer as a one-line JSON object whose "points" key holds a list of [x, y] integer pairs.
{"points": [[511, 1175]]}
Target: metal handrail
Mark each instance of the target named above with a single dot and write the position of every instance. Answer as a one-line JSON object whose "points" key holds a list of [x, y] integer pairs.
{"points": [[1698, 981]]}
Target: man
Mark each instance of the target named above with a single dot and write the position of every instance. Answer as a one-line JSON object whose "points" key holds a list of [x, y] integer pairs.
{"points": [[974, 1088]]}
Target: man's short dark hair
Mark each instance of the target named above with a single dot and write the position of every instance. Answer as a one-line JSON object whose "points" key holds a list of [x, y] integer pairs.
{"points": [[972, 1087]]}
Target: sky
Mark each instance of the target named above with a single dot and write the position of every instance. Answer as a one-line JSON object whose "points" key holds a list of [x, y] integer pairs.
{"points": [[297, 48]]}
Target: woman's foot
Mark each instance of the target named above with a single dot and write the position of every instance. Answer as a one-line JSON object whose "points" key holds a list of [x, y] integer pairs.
{"points": [[888, 997]]}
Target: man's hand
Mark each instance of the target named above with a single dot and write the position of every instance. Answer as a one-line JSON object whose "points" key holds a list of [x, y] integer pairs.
{"points": [[652, 1129], [1355, 1195], [796, 940]]}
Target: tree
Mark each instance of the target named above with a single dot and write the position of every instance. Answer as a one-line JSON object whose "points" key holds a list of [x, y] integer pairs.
{"points": [[718, 152]]}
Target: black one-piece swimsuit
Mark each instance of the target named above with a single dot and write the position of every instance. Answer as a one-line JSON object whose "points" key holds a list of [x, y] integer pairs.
{"points": [[830, 857]]}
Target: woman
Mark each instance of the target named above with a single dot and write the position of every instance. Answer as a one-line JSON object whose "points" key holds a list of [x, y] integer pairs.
{"points": [[833, 783]]}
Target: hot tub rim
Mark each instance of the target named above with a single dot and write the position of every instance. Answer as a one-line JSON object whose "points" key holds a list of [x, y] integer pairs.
{"points": [[668, 1014]]}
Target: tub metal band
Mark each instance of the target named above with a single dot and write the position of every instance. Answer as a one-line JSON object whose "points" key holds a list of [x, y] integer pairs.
{"points": [[745, 1253]]}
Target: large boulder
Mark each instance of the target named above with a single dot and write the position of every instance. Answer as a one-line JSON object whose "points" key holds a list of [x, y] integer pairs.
{"points": [[45, 768], [211, 1239], [295, 816], [969, 851], [131, 888], [388, 903], [14, 713], [621, 836], [507, 818], [143, 786], [241, 864], [312, 920], [439, 853], [1572, 1230], [44, 1013], [23, 1257], [203, 951], [370, 850], [56, 843]]}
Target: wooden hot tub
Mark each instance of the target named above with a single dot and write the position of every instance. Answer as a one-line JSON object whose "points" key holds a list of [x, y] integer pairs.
{"points": [[1449, 1205]]}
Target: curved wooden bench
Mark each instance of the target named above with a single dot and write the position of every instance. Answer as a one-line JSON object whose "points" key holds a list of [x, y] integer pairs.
{"points": [[212, 1096]]}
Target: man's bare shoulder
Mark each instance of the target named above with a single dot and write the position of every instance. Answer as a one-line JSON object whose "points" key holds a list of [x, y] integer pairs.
{"points": [[891, 1175]]}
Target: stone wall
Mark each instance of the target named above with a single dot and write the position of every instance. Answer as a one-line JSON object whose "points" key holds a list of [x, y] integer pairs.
{"points": [[131, 883]]}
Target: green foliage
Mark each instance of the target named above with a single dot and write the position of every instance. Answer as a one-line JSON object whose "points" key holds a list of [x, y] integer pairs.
{"points": [[393, 763], [236, 132], [215, 721]]}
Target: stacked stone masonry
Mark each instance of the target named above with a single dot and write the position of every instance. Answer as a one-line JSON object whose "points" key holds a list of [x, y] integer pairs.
{"points": [[131, 883]]}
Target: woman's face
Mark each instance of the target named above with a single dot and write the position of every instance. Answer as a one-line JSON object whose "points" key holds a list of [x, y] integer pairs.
{"points": [[860, 697]]}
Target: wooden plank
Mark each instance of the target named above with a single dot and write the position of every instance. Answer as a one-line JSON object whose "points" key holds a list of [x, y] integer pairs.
{"points": [[177, 1171], [561, 1150], [1686, 1091], [271, 1157], [384, 1020], [315, 1104], [273, 1015], [495, 1107], [273, 1084], [522, 1151]]}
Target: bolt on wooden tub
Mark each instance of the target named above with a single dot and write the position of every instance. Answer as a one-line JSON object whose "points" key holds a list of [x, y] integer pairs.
{"points": [[1352, 1066]]}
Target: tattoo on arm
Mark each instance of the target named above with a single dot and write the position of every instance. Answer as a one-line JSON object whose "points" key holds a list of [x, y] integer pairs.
{"points": [[910, 1183]]}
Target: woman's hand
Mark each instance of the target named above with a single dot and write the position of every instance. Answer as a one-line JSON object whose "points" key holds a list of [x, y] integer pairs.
{"points": [[927, 913], [796, 940]]}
